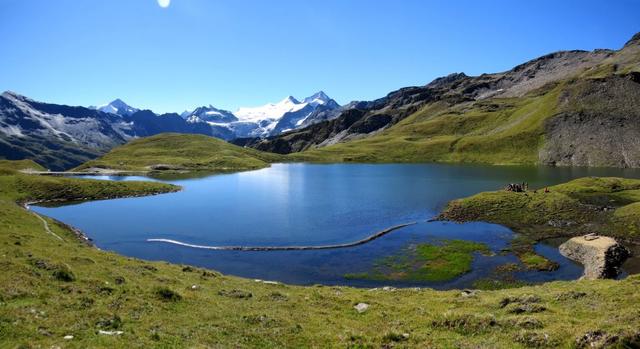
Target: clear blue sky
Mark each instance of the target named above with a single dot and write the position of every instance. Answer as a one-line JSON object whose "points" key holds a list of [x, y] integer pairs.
{"points": [[233, 53]]}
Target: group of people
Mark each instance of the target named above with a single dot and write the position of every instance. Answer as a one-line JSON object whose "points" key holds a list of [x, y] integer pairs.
{"points": [[521, 188]]}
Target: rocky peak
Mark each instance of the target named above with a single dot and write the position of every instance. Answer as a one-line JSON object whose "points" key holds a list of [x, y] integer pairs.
{"points": [[13, 95], [445, 80], [635, 40]]}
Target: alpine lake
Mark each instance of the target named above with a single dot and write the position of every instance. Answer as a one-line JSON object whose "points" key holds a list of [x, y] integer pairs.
{"points": [[317, 205]]}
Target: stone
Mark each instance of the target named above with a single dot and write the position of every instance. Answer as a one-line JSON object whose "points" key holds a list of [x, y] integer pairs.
{"points": [[110, 333], [68, 337], [601, 256], [361, 307], [468, 293]]}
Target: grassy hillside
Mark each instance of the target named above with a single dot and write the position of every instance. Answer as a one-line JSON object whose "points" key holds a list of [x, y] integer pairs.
{"points": [[51, 288], [177, 152], [589, 118], [498, 131], [18, 165]]}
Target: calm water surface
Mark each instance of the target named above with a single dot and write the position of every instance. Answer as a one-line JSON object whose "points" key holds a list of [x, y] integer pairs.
{"points": [[308, 204]]}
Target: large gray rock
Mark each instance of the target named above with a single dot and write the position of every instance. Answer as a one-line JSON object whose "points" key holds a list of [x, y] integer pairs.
{"points": [[601, 256]]}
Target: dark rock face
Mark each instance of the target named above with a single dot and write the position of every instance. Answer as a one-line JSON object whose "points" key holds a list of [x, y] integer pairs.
{"points": [[146, 123], [211, 114], [56, 136], [601, 128]]}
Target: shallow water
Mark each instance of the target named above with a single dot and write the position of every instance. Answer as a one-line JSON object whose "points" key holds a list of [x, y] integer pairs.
{"points": [[309, 204]]}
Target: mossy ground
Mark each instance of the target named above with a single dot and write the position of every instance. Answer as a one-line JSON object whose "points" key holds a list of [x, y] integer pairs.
{"points": [[180, 152], [51, 288], [426, 262]]}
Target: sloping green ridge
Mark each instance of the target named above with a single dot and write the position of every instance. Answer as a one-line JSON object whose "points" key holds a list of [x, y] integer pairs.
{"points": [[50, 289], [182, 152], [496, 131], [493, 130]]}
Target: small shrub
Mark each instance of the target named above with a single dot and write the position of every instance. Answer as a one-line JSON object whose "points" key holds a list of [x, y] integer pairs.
{"points": [[235, 293], [41, 264], [150, 268], [63, 273], [105, 290], [570, 295], [465, 323], [209, 274], [528, 323], [112, 323], [526, 309], [167, 294], [263, 320], [85, 302], [524, 299], [534, 339], [277, 296], [394, 337], [596, 339]]}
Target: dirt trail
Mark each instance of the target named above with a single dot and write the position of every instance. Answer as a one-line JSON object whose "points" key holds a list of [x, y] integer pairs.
{"points": [[46, 226]]}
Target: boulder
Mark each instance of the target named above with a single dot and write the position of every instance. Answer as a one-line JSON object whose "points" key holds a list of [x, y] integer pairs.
{"points": [[361, 307], [601, 256]]}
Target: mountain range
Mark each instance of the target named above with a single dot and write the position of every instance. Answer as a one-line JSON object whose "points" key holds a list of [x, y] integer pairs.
{"points": [[267, 120], [567, 108], [61, 137]]}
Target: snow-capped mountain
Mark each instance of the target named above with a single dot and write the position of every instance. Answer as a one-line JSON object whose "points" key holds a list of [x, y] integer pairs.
{"points": [[117, 107], [314, 106], [61, 137], [266, 120], [209, 114], [269, 111], [321, 98]]}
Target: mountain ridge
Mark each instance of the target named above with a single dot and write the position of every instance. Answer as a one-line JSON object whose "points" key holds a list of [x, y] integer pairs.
{"points": [[460, 118], [543, 111], [61, 137]]}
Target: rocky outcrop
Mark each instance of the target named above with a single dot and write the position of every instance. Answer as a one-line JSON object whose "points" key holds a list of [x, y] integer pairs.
{"points": [[601, 256], [598, 126]]}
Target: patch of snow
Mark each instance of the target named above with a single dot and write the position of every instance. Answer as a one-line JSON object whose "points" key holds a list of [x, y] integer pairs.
{"points": [[11, 130], [270, 111]]}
